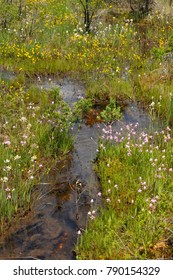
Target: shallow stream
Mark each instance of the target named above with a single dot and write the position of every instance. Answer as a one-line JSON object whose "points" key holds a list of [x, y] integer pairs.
{"points": [[61, 200]]}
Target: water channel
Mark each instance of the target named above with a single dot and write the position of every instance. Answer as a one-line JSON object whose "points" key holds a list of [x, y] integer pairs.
{"points": [[61, 200]]}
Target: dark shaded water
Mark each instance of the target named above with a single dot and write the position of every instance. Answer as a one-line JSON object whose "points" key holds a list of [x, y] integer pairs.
{"points": [[6, 75], [62, 199]]}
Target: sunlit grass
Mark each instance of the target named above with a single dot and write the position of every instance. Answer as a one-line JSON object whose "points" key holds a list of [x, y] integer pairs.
{"points": [[135, 169], [110, 59]]}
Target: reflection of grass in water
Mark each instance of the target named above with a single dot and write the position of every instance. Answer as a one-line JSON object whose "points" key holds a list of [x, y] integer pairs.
{"points": [[135, 170]]}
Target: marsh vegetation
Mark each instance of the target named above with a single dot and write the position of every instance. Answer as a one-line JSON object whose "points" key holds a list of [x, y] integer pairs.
{"points": [[121, 54]]}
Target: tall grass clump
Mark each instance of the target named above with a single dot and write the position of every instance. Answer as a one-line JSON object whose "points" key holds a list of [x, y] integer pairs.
{"points": [[135, 168], [34, 130]]}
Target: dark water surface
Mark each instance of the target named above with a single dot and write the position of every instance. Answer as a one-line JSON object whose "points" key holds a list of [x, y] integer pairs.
{"points": [[62, 199]]}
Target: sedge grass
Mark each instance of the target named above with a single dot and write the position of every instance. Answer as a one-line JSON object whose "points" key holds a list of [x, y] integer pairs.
{"points": [[35, 128], [136, 175]]}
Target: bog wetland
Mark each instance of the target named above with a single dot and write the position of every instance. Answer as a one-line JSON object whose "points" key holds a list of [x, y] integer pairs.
{"points": [[62, 199], [86, 115]]}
